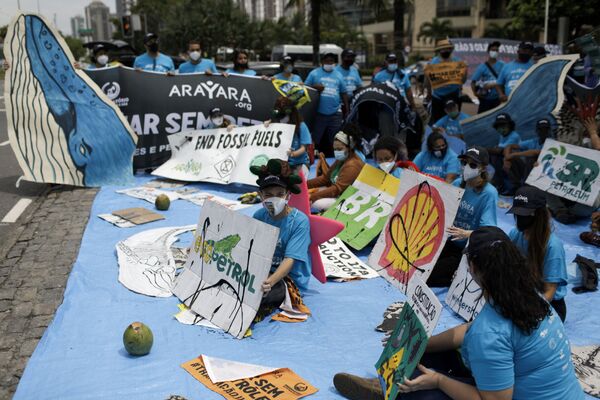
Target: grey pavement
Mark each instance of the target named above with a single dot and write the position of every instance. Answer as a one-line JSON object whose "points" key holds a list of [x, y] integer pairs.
{"points": [[36, 256]]}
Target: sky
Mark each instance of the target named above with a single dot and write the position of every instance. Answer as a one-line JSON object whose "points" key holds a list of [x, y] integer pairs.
{"points": [[64, 10]]}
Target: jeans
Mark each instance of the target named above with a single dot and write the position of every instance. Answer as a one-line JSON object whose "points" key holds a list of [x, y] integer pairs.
{"points": [[324, 129], [487, 104]]}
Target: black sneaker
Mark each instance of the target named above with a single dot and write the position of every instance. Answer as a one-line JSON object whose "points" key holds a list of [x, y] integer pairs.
{"points": [[356, 388]]}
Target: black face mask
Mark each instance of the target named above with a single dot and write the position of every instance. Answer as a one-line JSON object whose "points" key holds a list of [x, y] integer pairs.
{"points": [[241, 65], [524, 221], [524, 57], [153, 47], [542, 136], [445, 54]]}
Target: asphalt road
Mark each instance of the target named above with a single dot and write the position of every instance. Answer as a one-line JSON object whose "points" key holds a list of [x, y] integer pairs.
{"points": [[9, 173]]}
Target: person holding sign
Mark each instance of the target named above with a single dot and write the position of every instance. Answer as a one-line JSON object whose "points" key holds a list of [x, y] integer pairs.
{"points": [[545, 252], [240, 64], [341, 174], [514, 70], [100, 58], [439, 160], [477, 208], [389, 153], [217, 120], [152, 59], [287, 71], [483, 81], [291, 266], [449, 90], [196, 63], [516, 348]]}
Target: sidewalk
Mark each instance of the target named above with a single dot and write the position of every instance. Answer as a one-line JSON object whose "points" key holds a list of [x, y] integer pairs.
{"points": [[35, 262]]}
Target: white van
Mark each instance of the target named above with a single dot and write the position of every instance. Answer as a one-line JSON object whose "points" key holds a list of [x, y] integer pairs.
{"points": [[303, 52]]}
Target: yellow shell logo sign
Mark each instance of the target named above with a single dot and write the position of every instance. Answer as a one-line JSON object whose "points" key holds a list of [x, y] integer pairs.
{"points": [[414, 233]]}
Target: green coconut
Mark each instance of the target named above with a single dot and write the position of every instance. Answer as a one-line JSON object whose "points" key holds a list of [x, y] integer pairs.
{"points": [[162, 202], [138, 339]]}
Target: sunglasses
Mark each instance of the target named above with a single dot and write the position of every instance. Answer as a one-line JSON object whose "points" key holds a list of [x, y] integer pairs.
{"points": [[470, 164]]}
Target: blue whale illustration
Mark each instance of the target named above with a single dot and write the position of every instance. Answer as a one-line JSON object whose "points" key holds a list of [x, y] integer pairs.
{"points": [[535, 97], [99, 144]]}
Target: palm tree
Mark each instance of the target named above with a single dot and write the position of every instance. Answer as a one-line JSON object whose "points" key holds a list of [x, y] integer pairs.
{"points": [[316, 7], [436, 29], [398, 25], [506, 31]]}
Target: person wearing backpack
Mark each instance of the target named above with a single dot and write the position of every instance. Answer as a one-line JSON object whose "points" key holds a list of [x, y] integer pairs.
{"points": [[483, 81]]}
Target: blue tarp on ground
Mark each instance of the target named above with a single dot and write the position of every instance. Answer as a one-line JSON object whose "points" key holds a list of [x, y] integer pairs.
{"points": [[81, 355]]}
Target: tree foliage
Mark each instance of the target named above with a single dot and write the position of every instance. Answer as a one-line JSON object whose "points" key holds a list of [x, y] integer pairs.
{"points": [[435, 29], [76, 47]]}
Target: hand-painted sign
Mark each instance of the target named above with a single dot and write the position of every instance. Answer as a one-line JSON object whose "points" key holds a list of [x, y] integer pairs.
{"points": [[586, 360], [222, 156], [424, 303], [341, 264], [464, 295], [229, 260], [402, 353], [365, 206], [446, 73], [61, 126], [568, 171], [415, 232]]}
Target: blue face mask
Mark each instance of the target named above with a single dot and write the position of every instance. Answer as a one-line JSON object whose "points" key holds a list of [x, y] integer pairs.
{"points": [[340, 155], [392, 67]]}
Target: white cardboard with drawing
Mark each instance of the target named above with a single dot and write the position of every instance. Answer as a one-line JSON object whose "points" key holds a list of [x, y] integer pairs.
{"points": [[464, 295]]}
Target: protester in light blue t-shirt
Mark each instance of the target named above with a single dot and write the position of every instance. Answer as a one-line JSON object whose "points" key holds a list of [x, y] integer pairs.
{"points": [[240, 64], [450, 123], [514, 70], [483, 81], [515, 348], [333, 102], [388, 152], [505, 127], [291, 256], [196, 62], [152, 60], [546, 254], [349, 72], [391, 72], [477, 208], [438, 160], [287, 70]]}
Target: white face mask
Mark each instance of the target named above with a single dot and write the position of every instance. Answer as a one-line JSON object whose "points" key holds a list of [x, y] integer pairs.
{"points": [[217, 121], [340, 155], [328, 67], [437, 153], [387, 166], [275, 205], [470, 173], [289, 69], [102, 60], [285, 119], [493, 54], [195, 55]]}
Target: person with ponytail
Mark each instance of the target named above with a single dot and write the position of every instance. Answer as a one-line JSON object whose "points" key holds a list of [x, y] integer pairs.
{"points": [[342, 173], [516, 348], [544, 251], [477, 208]]}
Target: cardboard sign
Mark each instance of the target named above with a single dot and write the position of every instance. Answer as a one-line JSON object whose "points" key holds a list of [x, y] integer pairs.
{"points": [[568, 171], [341, 264], [222, 156], [464, 295], [61, 126], [281, 384], [148, 193], [228, 261], [402, 352], [415, 232], [424, 303], [199, 198], [117, 221], [586, 360], [364, 206], [446, 73], [138, 215]]}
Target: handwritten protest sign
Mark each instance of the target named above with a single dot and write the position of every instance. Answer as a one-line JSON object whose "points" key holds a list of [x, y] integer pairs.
{"points": [[446, 73], [341, 264], [464, 295], [364, 206], [222, 156], [424, 303], [568, 171], [415, 232], [229, 260]]}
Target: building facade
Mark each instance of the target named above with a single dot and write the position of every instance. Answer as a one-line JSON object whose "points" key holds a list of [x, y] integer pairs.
{"points": [[97, 17], [261, 10], [77, 24]]}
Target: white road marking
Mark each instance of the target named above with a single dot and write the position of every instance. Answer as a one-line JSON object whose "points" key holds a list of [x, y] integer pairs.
{"points": [[4, 143], [16, 211]]}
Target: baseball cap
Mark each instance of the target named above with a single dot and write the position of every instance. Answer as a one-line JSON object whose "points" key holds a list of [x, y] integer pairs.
{"points": [[449, 103], [329, 55], [348, 53], [287, 60], [215, 111], [502, 118], [539, 51], [478, 154], [271, 180], [484, 238], [99, 47], [526, 45], [391, 56], [149, 36], [543, 123], [527, 199]]}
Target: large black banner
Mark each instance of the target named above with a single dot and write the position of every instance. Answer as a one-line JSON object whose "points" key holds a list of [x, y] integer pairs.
{"points": [[157, 105]]}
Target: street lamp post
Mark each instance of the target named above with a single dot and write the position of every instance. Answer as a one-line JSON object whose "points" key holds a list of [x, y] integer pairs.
{"points": [[546, 22]]}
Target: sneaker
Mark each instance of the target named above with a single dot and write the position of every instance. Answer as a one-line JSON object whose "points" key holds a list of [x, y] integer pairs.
{"points": [[590, 238], [356, 388]]}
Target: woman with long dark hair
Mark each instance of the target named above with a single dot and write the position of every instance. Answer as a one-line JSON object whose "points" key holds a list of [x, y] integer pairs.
{"points": [[544, 251], [240, 64], [516, 348], [439, 160]]}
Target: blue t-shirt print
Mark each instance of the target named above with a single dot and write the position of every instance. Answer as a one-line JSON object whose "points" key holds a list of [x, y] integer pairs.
{"points": [[351, 77], [160, 63], [333, 83], [204, 65], [428, 163], [398, 78], [511, 138], [511, 73], [483, 74]]}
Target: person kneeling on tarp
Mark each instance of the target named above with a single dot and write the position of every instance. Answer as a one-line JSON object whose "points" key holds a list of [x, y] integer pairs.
{"points": [[544, 251], [477, 208], [291, 267], [341, 174], [516, 348]]}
